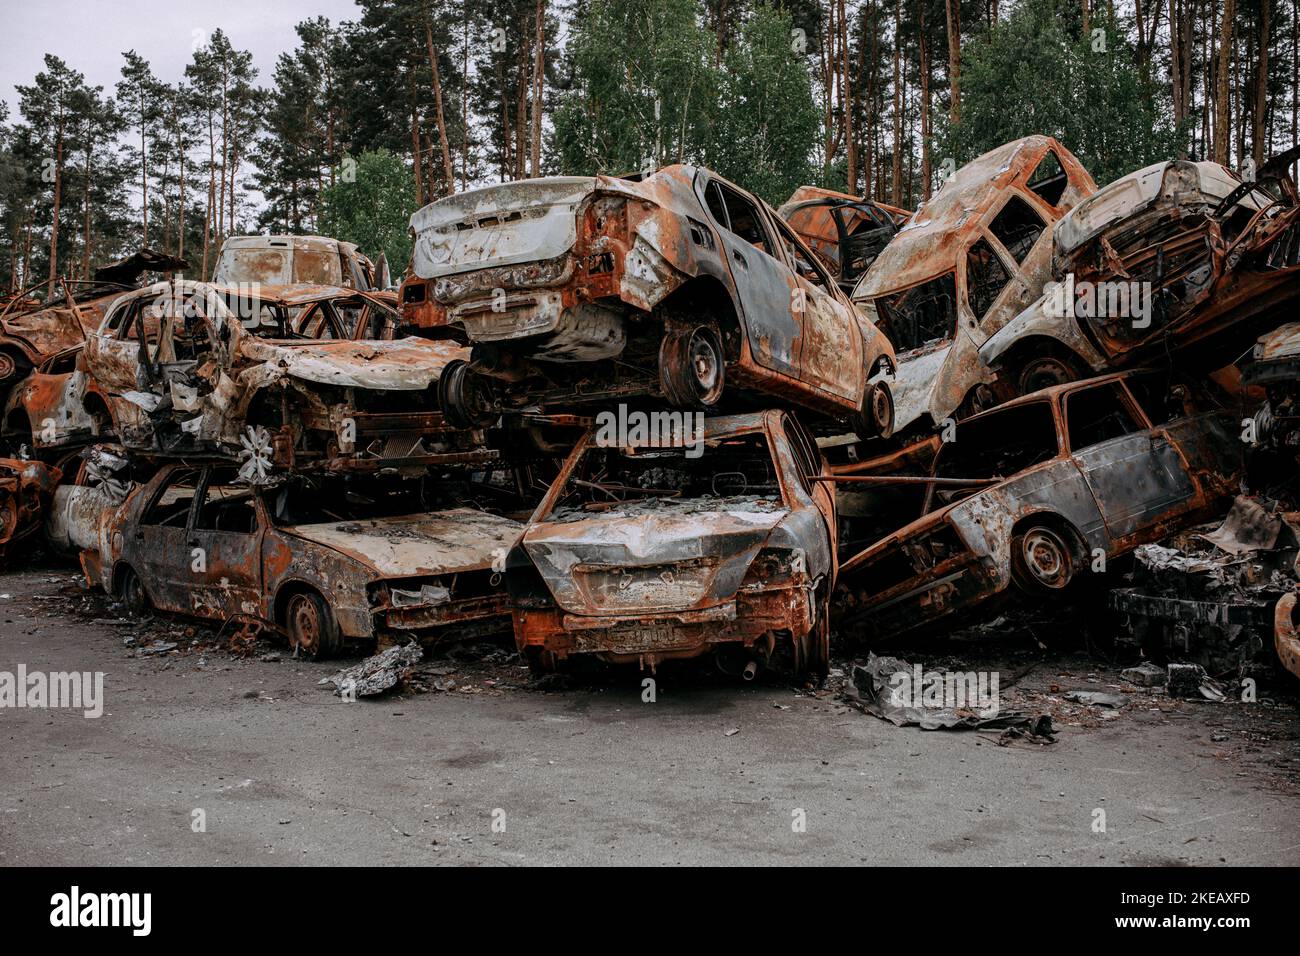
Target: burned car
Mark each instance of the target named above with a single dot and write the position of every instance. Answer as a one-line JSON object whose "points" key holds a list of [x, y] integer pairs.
{"points": [[581, 289], [846, 232], [25, 490], [1179, 258], [52, 316], [295, 260], [1035, 493], [1274, 366], [293, 380], [967, 262], [716, 538], [327, 561], [52, 409]]}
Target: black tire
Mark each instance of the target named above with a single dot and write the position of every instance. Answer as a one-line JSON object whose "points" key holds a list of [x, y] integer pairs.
{"points": [[131, 592], [13, 367], [876, 417], [1044, 371], [311, 627], [1043, 560], [464, 398], [692, 366]]}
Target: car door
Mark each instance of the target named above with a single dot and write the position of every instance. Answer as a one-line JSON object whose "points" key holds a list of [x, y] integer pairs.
{"points": [[808, 465], [156, 547], [225, 548], [764, 283], [830, 342], [1137, 476], [112, 352]]}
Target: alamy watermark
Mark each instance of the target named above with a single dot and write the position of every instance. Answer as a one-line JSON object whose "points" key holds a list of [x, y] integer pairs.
{"points": [[73, 690], [949, 690], [1100, 300], [626, 428]]}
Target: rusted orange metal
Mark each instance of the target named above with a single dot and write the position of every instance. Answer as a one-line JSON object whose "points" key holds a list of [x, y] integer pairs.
{"points": [[25, 490]]}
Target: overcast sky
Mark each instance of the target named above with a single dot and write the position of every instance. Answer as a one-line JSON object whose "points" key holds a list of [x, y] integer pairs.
{"points": [[92, 35]]}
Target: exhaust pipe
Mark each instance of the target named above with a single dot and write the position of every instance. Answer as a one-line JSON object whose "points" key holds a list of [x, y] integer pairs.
{"points": [[750, 671]]}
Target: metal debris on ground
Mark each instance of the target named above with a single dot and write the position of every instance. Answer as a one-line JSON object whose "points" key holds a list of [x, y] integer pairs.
{"points": [[376, 674]]}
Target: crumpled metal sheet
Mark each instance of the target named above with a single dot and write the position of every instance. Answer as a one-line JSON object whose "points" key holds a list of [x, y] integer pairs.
{"points": [[870, 691], [1248, 527], [378, 674]]}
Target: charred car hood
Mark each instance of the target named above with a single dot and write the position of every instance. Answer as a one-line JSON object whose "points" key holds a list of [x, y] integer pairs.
{"points": [[409, 364], [413, 545], [653, 555]]}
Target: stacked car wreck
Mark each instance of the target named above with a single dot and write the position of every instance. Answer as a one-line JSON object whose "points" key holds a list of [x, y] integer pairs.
{"points": [[650, 419]]}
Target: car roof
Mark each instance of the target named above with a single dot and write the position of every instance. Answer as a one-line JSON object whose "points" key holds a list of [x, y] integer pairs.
{"points": [[934, 239]]}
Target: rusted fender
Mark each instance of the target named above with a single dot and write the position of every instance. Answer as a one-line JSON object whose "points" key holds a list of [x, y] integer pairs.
{"points": [[1285, 638]]}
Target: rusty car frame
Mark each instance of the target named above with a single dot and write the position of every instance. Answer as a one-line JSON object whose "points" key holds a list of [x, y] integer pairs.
{"points": [[1178, 259], [846, 232], [54, 315], [966, 263], [278, 378], [325, 561], [26, 488], [1033, 493], [642, 553], [679, 284], [295, 260]]}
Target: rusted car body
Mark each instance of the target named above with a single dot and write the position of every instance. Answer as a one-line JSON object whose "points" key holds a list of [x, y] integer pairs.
{"points": [[1181, 257], [967, 262], [1285, 635], [644, 554], [325, 563], [1274, 366], [25, 490], [295, 260], [577, 289], [57, 406], [293, 380], [846, 232], [1032, 493], [51, 317]]}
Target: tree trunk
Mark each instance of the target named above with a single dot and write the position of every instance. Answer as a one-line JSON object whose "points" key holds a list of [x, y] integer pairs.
{"points": [[1222, 108], [443, 143], [539, 72], [417, 162], [896, 179], [954, 60], [58, 188], [1261, 89], [924, 52], [144, 174]]}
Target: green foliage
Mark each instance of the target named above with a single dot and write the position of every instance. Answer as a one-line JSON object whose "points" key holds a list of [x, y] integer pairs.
{"points": [[645, 88], [766, 118], [1033, 74], [370, 204], [647, 91]]}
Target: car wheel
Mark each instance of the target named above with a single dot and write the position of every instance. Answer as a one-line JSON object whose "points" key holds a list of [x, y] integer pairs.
{"points": [[11, 368], [876, 419], [131, 592], [463, 396], [692, 369], [312, 629], [1042, 560], [1044, 371]]}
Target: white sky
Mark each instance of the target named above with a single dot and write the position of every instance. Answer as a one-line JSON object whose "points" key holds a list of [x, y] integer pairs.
{"points": [[92, 35]]}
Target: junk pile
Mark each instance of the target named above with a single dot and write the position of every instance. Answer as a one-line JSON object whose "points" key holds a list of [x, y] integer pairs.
{"points": [[650, 419]]}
